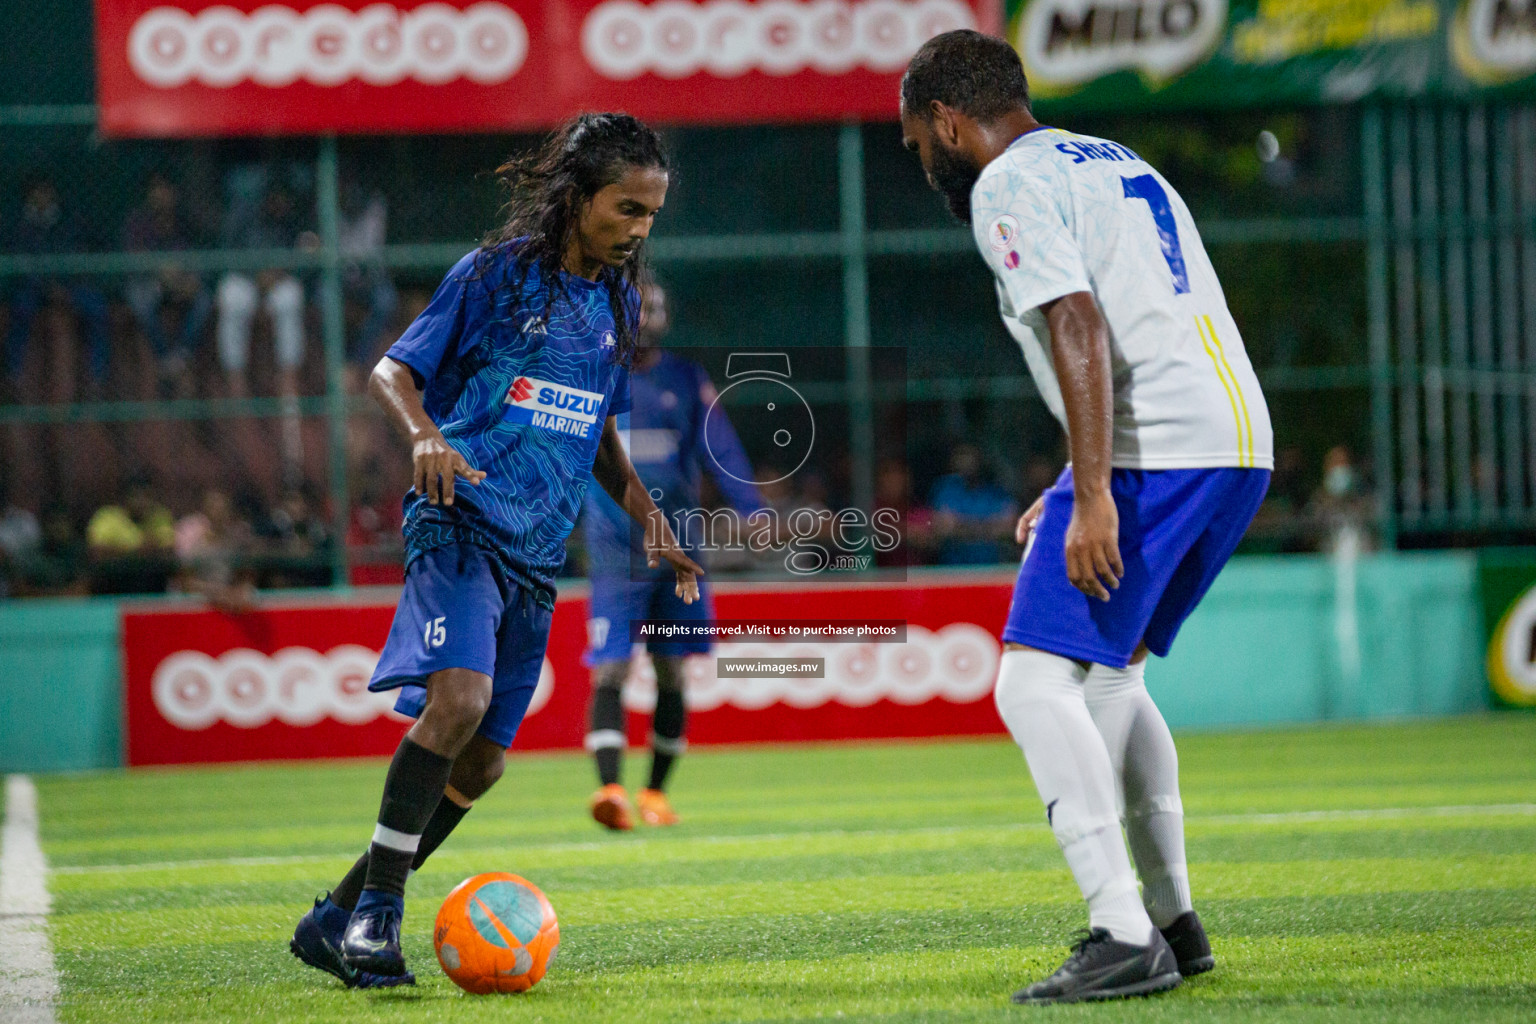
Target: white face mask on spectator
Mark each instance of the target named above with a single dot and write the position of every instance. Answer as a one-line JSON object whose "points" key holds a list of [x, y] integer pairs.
{"points": [[1339, 481]]}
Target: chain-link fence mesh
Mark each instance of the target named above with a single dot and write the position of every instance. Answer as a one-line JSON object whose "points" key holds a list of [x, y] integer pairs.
{"points": [[165, 343]]}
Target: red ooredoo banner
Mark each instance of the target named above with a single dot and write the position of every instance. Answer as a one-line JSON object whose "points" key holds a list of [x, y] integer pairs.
{"points": [[246, 67], [291, 681]]}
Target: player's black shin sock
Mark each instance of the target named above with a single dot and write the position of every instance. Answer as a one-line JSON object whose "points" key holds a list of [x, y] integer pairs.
{"points": [[444, 820], [670, 718], [351, 885], [412, 791], [607, 738], [610, 760]]}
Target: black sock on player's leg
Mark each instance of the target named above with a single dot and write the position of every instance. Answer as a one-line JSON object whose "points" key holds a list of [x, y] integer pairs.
{"points": [[351, 885], [610, 764], [444, 820], [662, 760], [606, 738], [669, 721], [412, 791]]}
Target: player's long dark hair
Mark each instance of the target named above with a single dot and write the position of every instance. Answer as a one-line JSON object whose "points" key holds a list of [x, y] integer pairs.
{"points": [[547, 188]]}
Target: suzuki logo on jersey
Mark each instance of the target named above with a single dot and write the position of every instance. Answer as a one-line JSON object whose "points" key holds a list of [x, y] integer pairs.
{"points": [[542, 403]]}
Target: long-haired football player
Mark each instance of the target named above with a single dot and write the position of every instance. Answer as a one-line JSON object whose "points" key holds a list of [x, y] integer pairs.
{"points": [[507, 388]]}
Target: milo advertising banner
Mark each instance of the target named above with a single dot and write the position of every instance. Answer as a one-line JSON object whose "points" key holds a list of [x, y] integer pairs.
{"points": [[1118, 55], [1507, 581]]}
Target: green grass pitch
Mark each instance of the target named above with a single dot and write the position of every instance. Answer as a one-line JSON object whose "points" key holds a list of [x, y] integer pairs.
{"points": [[1345, 874]]}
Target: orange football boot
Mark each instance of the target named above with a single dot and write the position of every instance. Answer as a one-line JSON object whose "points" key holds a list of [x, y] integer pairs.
{"points": [[655, 808], [610, 808]]}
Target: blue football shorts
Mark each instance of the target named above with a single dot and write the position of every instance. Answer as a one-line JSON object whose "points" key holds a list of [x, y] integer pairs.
{"points": [[458, 610], [1178, 527], [618, 600]]}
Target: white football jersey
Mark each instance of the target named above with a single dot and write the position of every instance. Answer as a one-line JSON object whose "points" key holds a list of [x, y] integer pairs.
{"points": [[1059, 213]]}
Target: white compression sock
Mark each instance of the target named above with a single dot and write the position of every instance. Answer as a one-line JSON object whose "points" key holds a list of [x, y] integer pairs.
{"points": [[1040, 697], [1147, 765]]}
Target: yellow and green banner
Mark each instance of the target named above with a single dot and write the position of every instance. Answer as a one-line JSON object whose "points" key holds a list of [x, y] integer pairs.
{"points": [[1127, 55], [1507, 581]]}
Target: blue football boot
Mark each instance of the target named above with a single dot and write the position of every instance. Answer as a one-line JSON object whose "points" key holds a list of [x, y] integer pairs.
{"points": [[372, 940], [317, 942]]}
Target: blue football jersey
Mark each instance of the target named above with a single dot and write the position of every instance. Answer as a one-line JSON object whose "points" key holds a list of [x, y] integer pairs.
{"points": [[665, 435], [520, 379]]}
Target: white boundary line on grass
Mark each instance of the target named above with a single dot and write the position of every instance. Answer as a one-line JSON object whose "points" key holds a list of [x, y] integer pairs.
{"points": [[1369, 814], [1282, 818], [29, 982]]}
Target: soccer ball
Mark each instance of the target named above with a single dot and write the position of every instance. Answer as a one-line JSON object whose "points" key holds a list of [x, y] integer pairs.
{"points": [[496, 932]]}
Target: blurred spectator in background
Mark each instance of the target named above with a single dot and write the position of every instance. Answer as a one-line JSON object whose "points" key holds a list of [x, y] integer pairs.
{"points": [[43, 226], [49, 565], [19, 530], [139, 524], [1340, 509], [297, 540], [789, 493], [812, 493], [973, 518], [132, 543], [1281, 524], [893, 489], [785, 494], [373, 536], [364, 278], [777, 489], [1039, 474], [21, 538], [158, 225], [210, 544], [273, 224]]}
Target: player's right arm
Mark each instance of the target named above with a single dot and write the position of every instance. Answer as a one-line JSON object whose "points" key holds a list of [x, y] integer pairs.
{"points": [[1022, 232], [434, 463], [1080, 352]]}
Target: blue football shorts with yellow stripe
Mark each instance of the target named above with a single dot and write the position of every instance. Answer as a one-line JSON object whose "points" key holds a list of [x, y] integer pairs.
{"points": [[1178, 527]]}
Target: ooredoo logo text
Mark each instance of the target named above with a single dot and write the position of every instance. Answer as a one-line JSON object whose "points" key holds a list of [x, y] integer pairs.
{"points": [[727, 38], [326, 45], [296, 686], [488, 43], [957, 663]]}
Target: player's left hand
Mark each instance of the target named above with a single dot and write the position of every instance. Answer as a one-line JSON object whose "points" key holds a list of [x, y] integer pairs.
{"points": [[1026, 524], [688, 572], [661, 544]]}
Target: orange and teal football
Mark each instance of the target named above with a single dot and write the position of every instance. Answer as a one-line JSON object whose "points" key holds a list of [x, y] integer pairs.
{"points": [[496, 932]]}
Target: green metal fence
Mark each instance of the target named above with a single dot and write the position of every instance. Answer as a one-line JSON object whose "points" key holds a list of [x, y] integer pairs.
{"points": [[1379, 273], [1450, 210]]}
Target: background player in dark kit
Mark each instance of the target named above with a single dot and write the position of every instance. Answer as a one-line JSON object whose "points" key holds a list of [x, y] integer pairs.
{"points": [[512, 379], [666, 427]]}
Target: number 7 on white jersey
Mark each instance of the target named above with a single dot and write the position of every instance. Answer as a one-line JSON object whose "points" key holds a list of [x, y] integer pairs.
{"points": [[1148, 189]]}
